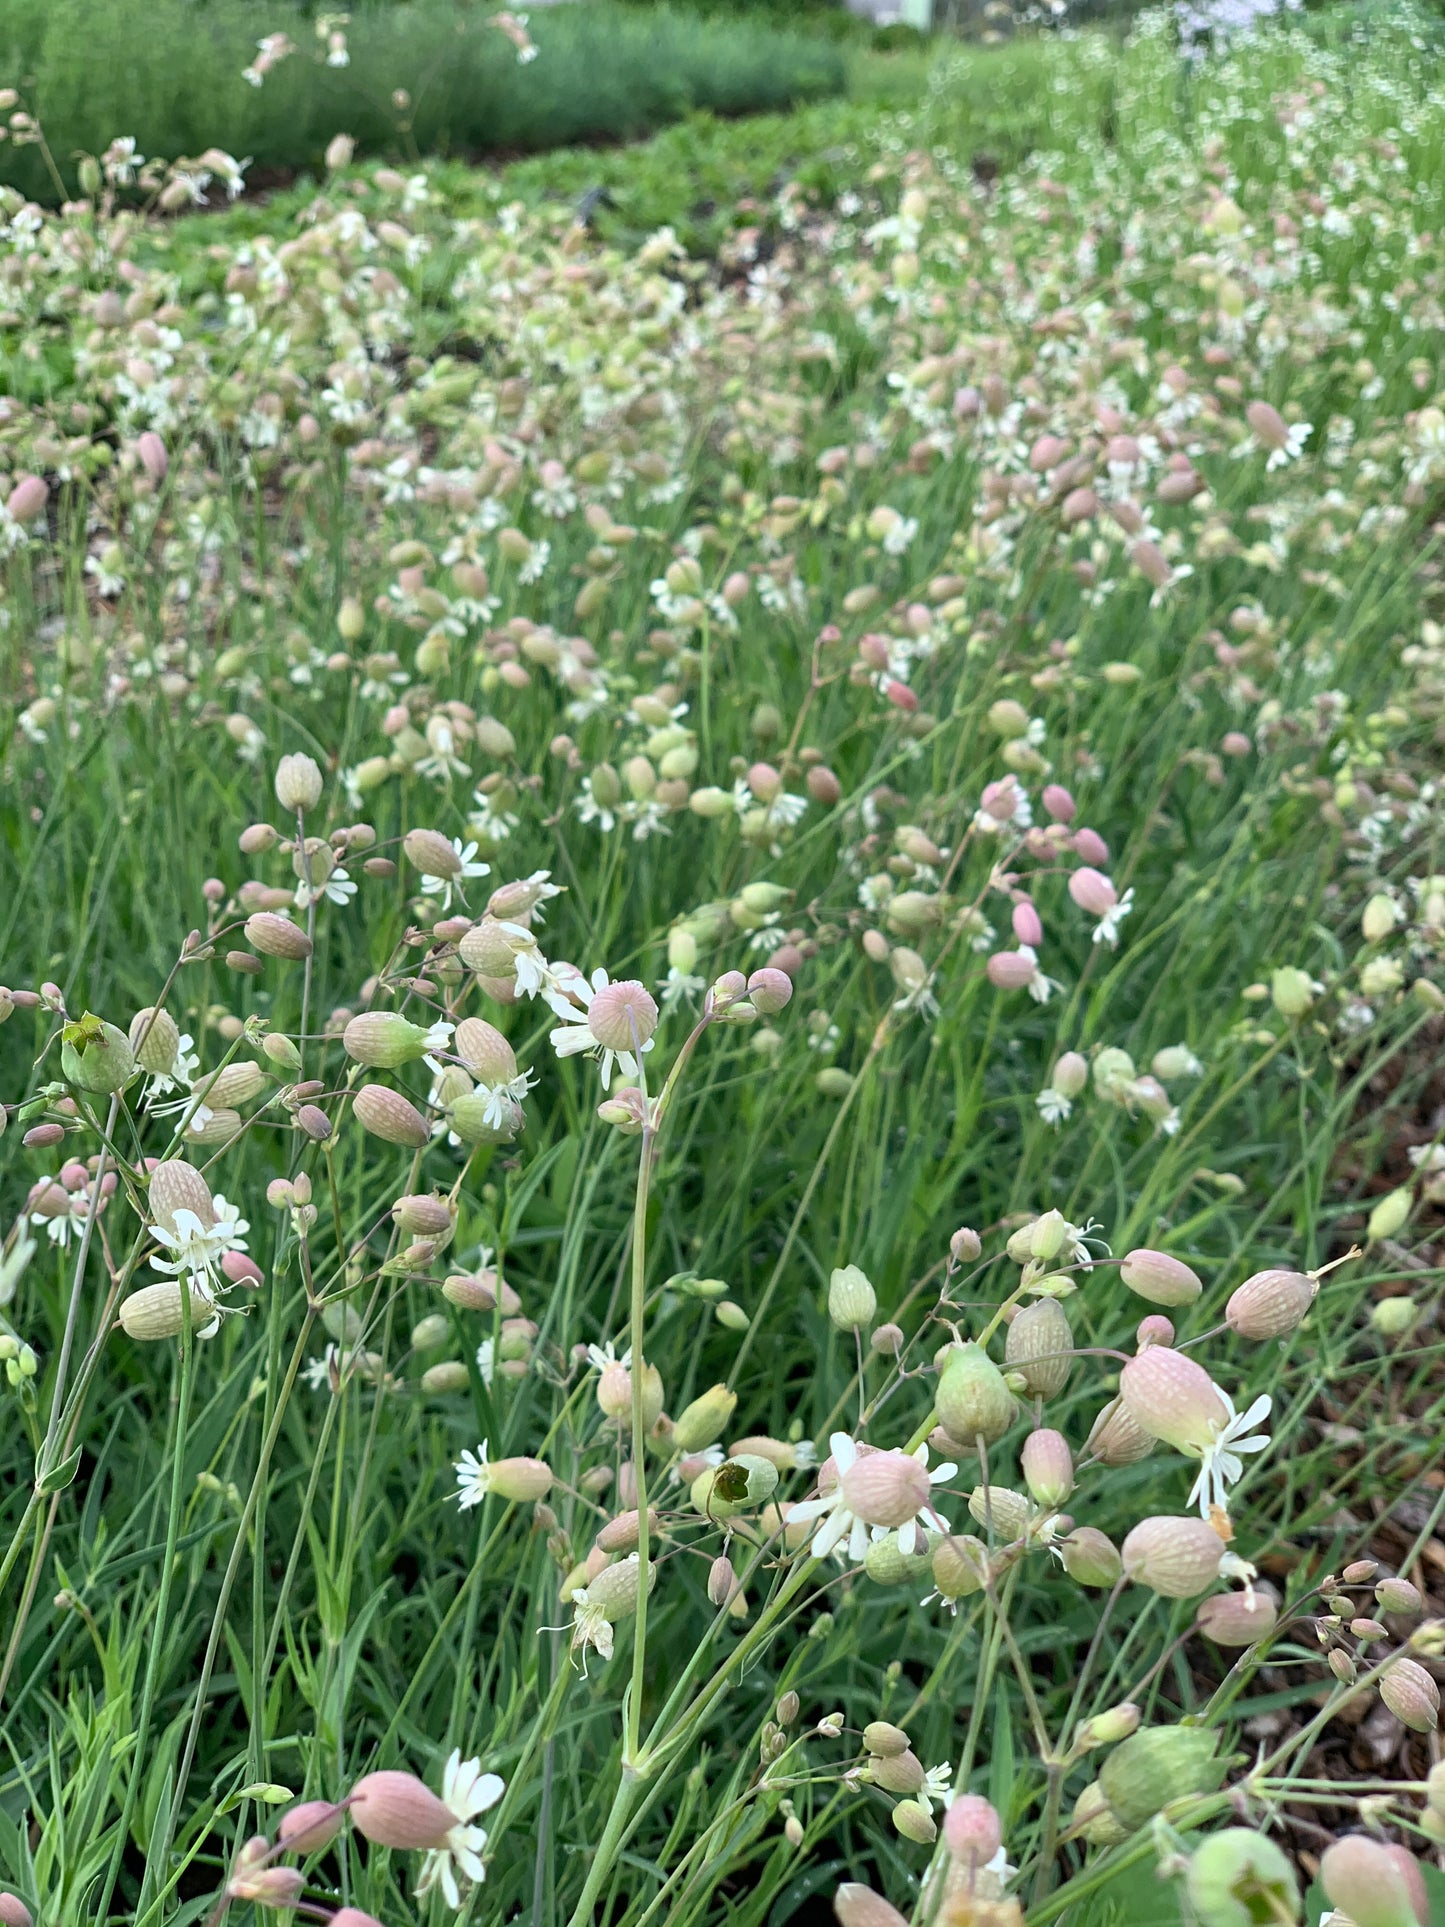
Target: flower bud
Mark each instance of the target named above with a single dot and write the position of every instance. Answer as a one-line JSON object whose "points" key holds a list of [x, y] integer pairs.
{"points": [[388, 1115], [884, 1740], [854, 1906], [298, 783], [155, 1038], [14, 1912], [1236, 1618], [96, 1056], [1156, 1765], [1398, 1596], [1173, 1399], [1048, 1467], [425, 1215], [1238, 1877], [27, 499], [705, 1419], [960, 1565], [1000, 1510], [1159, 1278], [1175, 1557], [1389, 1215], [915, 1823], [769, 990], [431, 853], [1270, 1303], [972, 1830], [384, 1039], [396, 1810], [309, 1827], [852, 1300], [277, 936], [1115, 1723], [1039, 1346], [178, 1186], [1394, 1317], [722, 1582], [964, 1246], [1377, 1886], [156, 1312], [1411, 1695], [1291, 991], [898, 1772], [972, 1399], [622, 1016]]}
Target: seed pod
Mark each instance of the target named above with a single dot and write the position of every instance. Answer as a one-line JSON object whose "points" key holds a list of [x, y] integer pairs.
{"points": [[1377, 1886], [738, 1485], [1048, 1467], [915, 1823], [1090, 1557], [396, 1810], [96, 1056], [1095, 1819], [431, 853], [156, 1312], [1156, 1765], [960, 1565], [1159, 1278], [388, 1115], [1175, 1557], [155, 1038], [852, 1300], [1239, 1877], [484, 1051], [999, 1510], [1039, 1346], [1411, 1695], [857, 1906], [178, 1186], [1116, 1439], [277, 936], [898, 1772], [310, 1826], [384, 1039], [424, 1216], [1173, 1399], [972, 1399], [704, 1420], [1236, 1618], [1270, 1304], [888, 1565]]}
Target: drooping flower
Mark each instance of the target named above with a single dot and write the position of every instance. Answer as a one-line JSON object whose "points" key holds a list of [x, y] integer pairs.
{"points": [[870, 1494], [467, 1791], [616, 1020]]}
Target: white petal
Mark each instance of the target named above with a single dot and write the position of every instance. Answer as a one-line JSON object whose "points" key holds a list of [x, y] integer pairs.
{"points": [[844, 1451]]}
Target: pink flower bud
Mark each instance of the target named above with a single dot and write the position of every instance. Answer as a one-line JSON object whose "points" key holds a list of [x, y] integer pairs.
{"points": [[1270, 1304], [1179, 486], [623, 1016], [353, 1917], [1159, 1278], [396, 1810], [972, 1831], [1116, 1439], [770, 990], [857, 1906], [309, 1827], [1154, 1330], [14, 1912], [1235, 743], [1175, 1557], [764, 782], [1079, 505], [823, 786], [276, 936], [1000, 800], [1011, 969], [241, 1269], [1093, 891], [1151, 562], [885, 1488], [1048, 1466], [965, 1245], [152, 452], [1090, 1557], [1236, 1618], [1027, 926], [900, 695], [1071, 1074], [1411, 1695], [388, 1115], [1173, 1399], [41, 1136], [1377, 1886], [27, 499], [1058, 803], [1090, 846], [1268, 425]]}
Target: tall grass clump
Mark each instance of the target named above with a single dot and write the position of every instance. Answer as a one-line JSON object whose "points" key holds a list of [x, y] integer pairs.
{"points": [[722, 1154], [424, 77]]}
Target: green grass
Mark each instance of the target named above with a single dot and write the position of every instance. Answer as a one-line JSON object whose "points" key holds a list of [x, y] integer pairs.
{"points": [[253, 1584], [169, 76]]}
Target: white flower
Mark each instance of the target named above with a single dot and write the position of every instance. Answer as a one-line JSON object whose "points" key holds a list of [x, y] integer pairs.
{"points": [[467, 1791], [599, 1357], [474, 1480], [502, 1097], [1293, 448], [1107, 928], [839, 1522], [183, 1069], [1220, 1465], [935, 1787], [1054, 1107], [569, 1042], [196, 1248], [679, 985], [487, 1361], [338, 888], [785, 810], [493, 825], [590, 1625], [444, 886]]}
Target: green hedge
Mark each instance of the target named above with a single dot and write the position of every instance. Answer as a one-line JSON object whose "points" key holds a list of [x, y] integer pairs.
{"points": [[168, 73]]}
